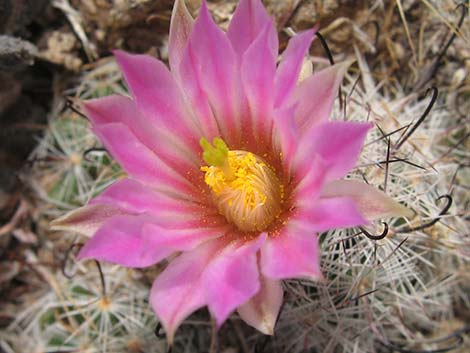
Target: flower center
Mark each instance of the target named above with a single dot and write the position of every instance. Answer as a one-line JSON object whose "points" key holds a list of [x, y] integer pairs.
{"points": [[245, 188]]}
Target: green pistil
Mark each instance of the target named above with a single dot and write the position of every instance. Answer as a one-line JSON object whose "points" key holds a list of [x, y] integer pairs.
{"points": [[215, 154]]}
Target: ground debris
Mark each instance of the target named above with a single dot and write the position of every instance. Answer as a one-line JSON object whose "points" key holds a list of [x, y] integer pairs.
{"points": [[15, 53]]}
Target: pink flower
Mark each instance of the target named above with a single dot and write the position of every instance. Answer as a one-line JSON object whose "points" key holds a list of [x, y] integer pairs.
{"points": [[240, 214]]}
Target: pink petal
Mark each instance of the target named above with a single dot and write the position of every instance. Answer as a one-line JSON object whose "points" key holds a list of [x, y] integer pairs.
{"points": [[196, 95], [88, 219], [257, 72], [232, 278], [371, 202], [134, 241], [262, 310], [120, 240], [141, 163], [135, 197], [180, 29], [288, 71], [168, 241], [316, 94], [110, 109], [166, 210], [166, 145], [308, 188], [213, 59], [337, 143], [286, 134], [248, 21], [330, 213], [158, 96], [217, 273], [293, 253], [187, 221], [178, 291]]}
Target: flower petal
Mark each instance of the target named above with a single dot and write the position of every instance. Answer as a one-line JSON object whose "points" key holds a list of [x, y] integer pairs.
{"points": [[167, 241], [196, 95], [166, 210], [120, 109], [119, 240], [178, 291], [180, 28], [247, 22], [140, 162], [135, 197], [330, 213], [86, 220], [232, 278], [257, 72], [135, 241], [371, 202], [210, 54], [262, 310], [158, 96], [288, 71], [286, 134], [337, 143], [316, 94], [292, 253], [310, 186]]}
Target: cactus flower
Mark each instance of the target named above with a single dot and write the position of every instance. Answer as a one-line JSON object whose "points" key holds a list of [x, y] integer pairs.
{"points": [[232, 167]]}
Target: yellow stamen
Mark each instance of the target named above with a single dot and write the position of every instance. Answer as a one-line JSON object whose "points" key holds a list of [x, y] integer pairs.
{"points": [[245, 189]]}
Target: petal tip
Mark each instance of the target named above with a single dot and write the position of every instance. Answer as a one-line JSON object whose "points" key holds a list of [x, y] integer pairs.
{"points": [[91, 108], [315, 275], [262, 311], [71, 221], [122, 58], [119, 53], [370, 201], [404, 211], [180, 29], [83, 254], [85, 220], [308, 34], [170, 337], [266, 328], [204, 9]]}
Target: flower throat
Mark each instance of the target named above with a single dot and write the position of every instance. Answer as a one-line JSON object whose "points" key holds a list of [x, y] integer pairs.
{"points": [[245, 188]]}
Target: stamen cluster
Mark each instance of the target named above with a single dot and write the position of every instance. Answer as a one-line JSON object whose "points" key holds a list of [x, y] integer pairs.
{"points": [[245, 188]]}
